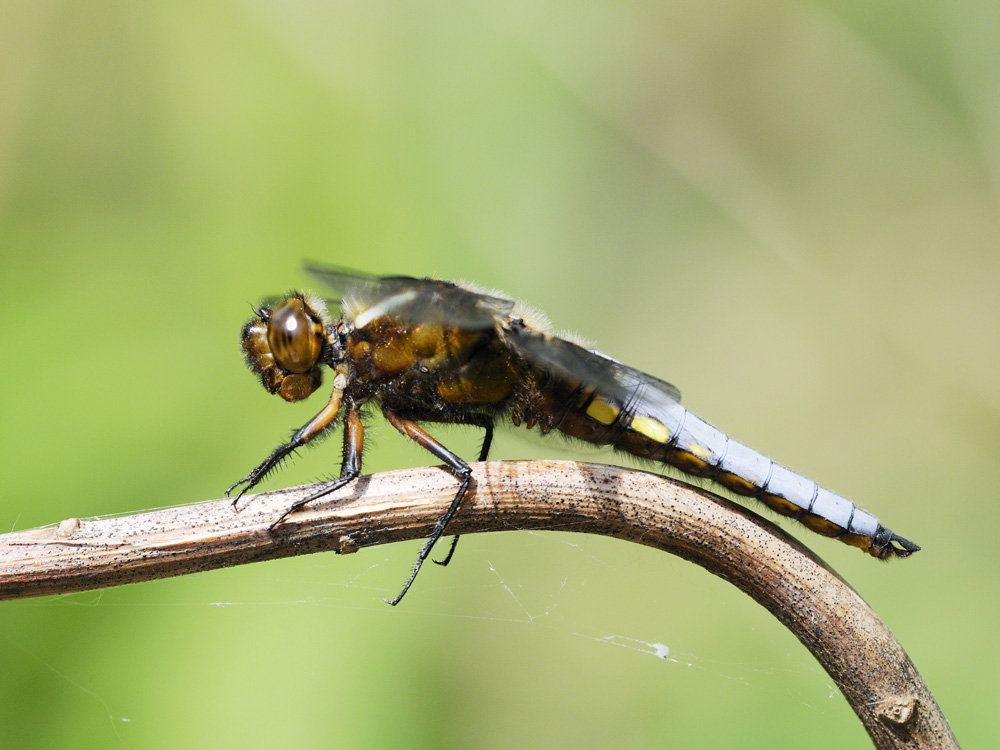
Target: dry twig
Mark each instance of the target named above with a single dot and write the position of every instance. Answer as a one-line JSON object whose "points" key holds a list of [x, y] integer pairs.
{"points": [[846, 636]]}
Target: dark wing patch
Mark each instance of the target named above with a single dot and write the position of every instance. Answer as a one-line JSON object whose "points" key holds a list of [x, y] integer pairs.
{"points": [[592, 370]]}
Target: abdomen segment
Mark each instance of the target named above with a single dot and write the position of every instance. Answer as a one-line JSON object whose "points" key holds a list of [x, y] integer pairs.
{"points": [[675, 436]]}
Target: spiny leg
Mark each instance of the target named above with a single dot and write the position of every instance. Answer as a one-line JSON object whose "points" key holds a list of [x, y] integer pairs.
{"points": [[354, 439], [486, 422], [311, 429], [450, 554], [455, 465], [254, 478]]}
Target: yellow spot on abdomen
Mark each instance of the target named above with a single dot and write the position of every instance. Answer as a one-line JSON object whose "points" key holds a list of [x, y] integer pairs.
{"points": [[651, 428], [602, 411], [696, 449]]}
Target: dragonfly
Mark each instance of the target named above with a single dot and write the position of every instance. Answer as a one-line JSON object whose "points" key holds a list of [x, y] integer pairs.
{"points": [[426, 351]]}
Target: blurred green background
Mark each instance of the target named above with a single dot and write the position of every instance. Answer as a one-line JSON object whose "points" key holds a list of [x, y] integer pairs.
{"points": [[789, 209]]}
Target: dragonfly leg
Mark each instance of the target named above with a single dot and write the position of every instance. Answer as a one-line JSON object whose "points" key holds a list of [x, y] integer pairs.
{"points": [[454, 464], [486, 422], [254, 478], [354, 439], [310, 430]]}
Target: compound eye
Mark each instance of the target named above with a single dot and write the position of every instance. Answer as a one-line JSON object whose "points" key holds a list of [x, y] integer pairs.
{"points": [[295, 336]]}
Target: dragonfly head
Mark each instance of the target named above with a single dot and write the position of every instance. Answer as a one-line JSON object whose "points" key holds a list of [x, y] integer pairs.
{"points": [[286, 344]]}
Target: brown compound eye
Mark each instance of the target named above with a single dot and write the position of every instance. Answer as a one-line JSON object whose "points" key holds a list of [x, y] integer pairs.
{"points": [[295, 336]]}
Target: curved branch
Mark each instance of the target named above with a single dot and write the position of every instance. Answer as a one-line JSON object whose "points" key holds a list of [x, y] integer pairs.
{"points": [[846, 636]]}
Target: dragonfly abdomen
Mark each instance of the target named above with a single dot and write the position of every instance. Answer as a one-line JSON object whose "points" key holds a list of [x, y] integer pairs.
{"points": [[679, 438]]}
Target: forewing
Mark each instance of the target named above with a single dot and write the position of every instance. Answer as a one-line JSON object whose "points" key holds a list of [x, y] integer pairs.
{"points": [[591, 370], [341, 281], [413, 301]]}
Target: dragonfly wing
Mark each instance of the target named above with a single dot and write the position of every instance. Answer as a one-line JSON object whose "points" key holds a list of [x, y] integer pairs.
{"points": [[592, 370], [413, 301]]}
